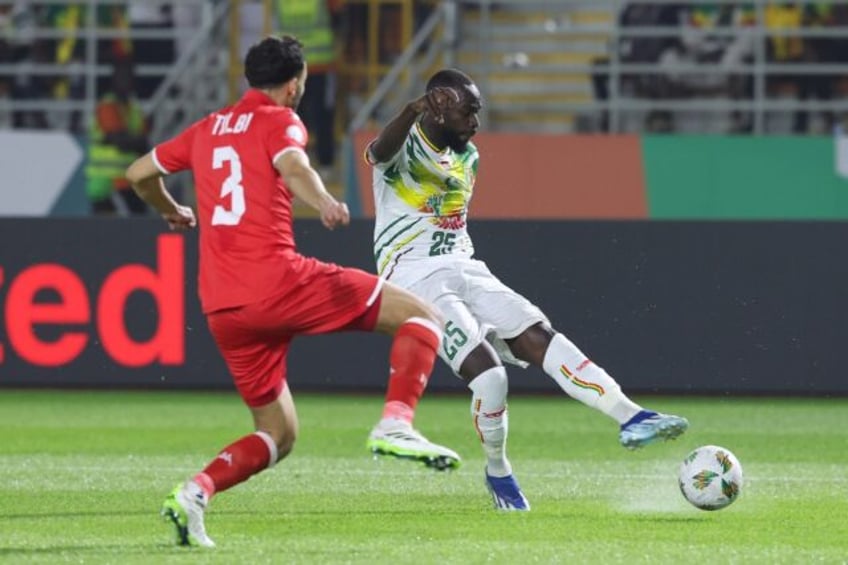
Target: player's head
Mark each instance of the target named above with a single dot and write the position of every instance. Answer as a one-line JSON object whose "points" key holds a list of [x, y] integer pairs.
{"points": [[276, 65], [460, 119]]}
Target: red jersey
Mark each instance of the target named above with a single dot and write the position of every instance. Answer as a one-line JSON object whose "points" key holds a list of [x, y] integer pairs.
{"points": [[247, 248]]}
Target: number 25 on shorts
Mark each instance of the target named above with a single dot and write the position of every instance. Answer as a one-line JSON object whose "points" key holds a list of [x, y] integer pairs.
{"points": [[452, 339]]}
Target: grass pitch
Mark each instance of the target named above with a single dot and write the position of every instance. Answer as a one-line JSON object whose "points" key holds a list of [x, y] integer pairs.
{"points": [[82, 475]]}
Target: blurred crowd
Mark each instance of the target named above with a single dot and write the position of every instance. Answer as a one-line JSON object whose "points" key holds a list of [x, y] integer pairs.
{"points": [[55, 34], [348, 58], [713, 37], [23, 43]]}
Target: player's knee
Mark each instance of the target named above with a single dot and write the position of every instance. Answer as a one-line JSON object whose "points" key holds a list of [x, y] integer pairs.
{"points": [[532, 344], [425, 310], [400, 305], [478, 361], [429, 313]]}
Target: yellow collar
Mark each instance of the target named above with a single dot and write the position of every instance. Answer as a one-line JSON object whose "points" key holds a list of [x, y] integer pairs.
{"points": [[427, 140]]}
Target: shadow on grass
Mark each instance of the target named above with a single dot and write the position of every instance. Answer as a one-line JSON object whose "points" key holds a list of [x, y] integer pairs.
{"points": [[667, 519]]}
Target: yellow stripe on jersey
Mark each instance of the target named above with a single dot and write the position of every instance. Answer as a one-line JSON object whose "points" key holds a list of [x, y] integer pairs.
{"points": [[395, 248], [429, 143]]}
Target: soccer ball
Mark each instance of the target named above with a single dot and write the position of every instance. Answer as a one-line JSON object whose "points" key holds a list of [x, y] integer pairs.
{"points": [[710, 477]]}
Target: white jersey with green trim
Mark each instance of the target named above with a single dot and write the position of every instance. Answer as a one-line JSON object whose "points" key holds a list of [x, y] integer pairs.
{"points": [[421, 199]]}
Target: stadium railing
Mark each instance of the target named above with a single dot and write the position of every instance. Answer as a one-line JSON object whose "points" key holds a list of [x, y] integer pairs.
{"points": [[31, 41], [564, 66]]}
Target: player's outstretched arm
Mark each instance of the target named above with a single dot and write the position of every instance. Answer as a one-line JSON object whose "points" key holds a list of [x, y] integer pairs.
{"points": [[146, 181], [391, 139], [307, 185]]}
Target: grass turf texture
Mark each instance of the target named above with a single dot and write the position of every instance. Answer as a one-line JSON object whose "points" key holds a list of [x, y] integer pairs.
{"points": [[82, 476]]}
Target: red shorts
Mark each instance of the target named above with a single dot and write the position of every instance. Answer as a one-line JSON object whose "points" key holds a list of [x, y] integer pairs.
{"points": [[254, 339]]}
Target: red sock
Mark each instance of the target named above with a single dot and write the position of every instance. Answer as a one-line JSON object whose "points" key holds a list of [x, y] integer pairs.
{"points": [[236, 463], [411, 359]]}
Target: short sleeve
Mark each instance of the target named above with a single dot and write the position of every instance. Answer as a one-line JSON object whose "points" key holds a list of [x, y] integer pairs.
{"points": [[285, 133], [174, 155], [369, 158], [394, 161]]}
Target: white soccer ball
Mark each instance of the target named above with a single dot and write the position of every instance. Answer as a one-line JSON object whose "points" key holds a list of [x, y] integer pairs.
{"points": [[710, 477]]}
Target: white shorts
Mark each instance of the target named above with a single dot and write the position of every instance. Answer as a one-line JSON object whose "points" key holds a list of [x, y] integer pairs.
{"points": [[475, 304]]}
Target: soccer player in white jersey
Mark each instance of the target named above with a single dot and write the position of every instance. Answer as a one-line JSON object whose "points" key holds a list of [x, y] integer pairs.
{"points": [[424, 167]]}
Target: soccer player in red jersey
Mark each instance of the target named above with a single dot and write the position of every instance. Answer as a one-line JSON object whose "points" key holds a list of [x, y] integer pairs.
{"points": [[256, 290]]}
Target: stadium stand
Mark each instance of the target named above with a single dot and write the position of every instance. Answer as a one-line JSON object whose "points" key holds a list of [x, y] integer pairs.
{"points": [[536, 60], [558, 66], [570, 66]]}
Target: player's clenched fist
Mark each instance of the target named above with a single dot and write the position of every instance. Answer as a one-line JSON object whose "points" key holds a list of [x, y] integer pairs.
{"points": [[436, 102], [335, 214], [182, 218]]}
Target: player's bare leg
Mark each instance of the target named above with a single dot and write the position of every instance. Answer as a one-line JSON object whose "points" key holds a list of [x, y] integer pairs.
{"points": [[276, 427], [581, 379], [417, 336]]}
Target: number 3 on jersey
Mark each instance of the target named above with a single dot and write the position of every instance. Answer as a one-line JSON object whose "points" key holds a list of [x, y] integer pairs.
{"points": [[232, 187]]}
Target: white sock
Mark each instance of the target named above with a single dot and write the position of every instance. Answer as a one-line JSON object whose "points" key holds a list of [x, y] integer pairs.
{"points": [[582, 380], [489, 414]]}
